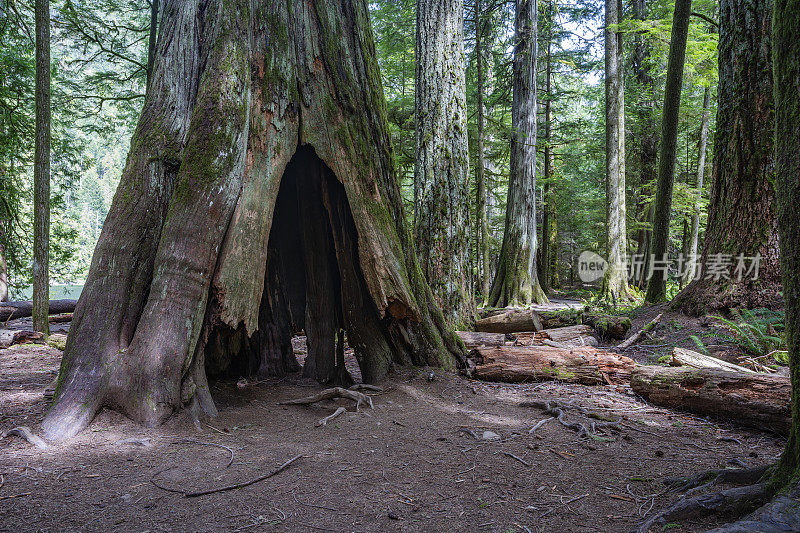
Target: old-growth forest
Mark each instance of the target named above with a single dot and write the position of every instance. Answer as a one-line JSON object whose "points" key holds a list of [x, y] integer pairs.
{"points": [[400, 265]]}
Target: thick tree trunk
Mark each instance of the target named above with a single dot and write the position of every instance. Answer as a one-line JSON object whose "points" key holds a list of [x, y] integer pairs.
{"points": [[648, 141], [742, 218], [755, 400], [588, 366], [22, 309], [694, 235], [786, 53], [442, 164], [668, 149], [41, 172], [614, 288], [482, 222], [258, 113], [548, 266], [516, 280]]}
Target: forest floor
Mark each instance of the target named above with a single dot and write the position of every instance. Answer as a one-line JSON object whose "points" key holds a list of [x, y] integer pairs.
{"points": [[413, 463]]}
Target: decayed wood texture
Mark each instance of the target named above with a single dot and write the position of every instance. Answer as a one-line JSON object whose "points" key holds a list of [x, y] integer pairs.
{"points": [[588, 366], [239, 89], [755, 400], [22, 309], [473, 339], [519, 320], [684, 357]]}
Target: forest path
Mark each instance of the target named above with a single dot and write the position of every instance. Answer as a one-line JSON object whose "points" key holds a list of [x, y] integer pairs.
{"points": [[409, 464]]}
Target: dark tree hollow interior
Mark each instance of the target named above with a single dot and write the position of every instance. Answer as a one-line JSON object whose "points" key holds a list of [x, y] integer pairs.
{"points": [[313, 284]]}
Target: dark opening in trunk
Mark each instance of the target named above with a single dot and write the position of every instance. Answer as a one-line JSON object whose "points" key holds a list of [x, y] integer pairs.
{"points": [[313, 286]]}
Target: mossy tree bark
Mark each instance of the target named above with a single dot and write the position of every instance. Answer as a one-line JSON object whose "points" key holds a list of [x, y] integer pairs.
{"points": [[786, 53], [258, 113], [741, 215], [41, 172], [668, 149], [647, 135], [516, 280], [614, 288], [441, 221]]}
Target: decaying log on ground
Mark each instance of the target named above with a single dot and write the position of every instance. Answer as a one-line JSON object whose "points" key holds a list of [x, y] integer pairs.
{"points": [[474, 339], [755, 400], [512, 321], [10, 337], [588, 366], [684, 357], [11, 310], [519, 320], [569, 336], [636, 336]]}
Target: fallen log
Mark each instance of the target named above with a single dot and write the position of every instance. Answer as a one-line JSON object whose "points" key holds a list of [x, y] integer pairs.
{"points": [[22, 309], [511, 321], [760, 401], [587, 365], [684, 357], [519, 320], [571, 336], [12, 337], [474, 339]]}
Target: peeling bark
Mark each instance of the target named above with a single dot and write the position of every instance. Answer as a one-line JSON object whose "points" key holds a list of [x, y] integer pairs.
{"points": [[198, 269]]}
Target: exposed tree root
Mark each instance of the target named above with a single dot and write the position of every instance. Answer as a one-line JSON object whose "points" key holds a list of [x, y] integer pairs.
{"points": [[730, 502], [26, 433], [329, 394], [730, 476], [324, 421], [556, 410]]}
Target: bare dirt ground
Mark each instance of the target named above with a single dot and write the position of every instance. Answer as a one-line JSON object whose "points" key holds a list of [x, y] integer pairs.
{"points": [[409, 464]]}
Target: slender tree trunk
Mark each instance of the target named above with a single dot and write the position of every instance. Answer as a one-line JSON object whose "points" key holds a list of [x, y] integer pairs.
{"points": [[517, 280], [482, 225], [694, 235], [41, 172], [151, 42], [742, 221], [549, 265], [207, 260], [668, 150], [615, 281], [648, 141], [3, 275], [442, 158]]}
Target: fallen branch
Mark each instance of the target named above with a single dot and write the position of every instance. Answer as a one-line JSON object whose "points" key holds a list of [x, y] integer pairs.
{"points": [[556, 410], [329, 394], [636, 336], [26, 433], [277, 471], [539, 424], [520, 459], [324, 421]]}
